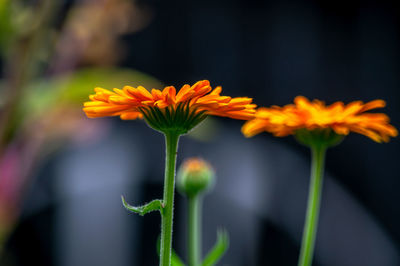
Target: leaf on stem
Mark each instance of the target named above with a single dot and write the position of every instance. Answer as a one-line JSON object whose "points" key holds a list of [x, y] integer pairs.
{"points": [[155, 205], [219, 249], [175, 259]]}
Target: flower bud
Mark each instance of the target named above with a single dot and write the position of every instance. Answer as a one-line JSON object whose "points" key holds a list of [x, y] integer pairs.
{"points": [[194, 176]]}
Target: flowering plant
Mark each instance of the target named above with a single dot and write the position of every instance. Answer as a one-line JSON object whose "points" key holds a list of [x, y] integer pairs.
{"points": [[319, 127], [173, 114]]}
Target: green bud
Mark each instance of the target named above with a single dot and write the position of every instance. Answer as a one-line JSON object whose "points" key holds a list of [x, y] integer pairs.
{"points": [[194, 176]]}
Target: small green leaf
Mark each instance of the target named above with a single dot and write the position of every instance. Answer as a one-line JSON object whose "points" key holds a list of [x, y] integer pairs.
{"points": [[175, 260], [219, 249], [155, 205]]}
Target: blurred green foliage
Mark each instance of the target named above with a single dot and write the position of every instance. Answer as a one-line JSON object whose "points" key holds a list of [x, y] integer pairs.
{"points": [[75, 87], [43, 95], [6, 26]]}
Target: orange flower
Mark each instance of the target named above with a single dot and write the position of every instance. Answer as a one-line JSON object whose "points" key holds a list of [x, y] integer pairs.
{"points": [[129, 103], [303, 114]]}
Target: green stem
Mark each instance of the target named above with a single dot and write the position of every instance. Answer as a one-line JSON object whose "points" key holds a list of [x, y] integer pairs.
{"points": [[313, 205], [194, 230], [171, 141]]}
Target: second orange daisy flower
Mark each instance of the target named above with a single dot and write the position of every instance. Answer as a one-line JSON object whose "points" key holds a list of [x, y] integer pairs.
{"points": [[303, 114]]}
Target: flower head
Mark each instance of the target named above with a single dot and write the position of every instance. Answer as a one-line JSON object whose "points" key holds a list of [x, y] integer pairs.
{"points": [[168, 109], [194, 176], [315, 115]]}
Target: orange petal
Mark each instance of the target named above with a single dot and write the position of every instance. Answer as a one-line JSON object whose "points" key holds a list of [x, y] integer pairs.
{"points": [[373, 105], [184, 93]]}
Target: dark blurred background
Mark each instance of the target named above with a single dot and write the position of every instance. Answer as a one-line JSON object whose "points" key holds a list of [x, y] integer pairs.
{"points": [[272, 51]]}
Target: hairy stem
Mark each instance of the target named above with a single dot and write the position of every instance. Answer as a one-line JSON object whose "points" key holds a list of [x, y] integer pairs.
{"points": [[171, 141]]}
